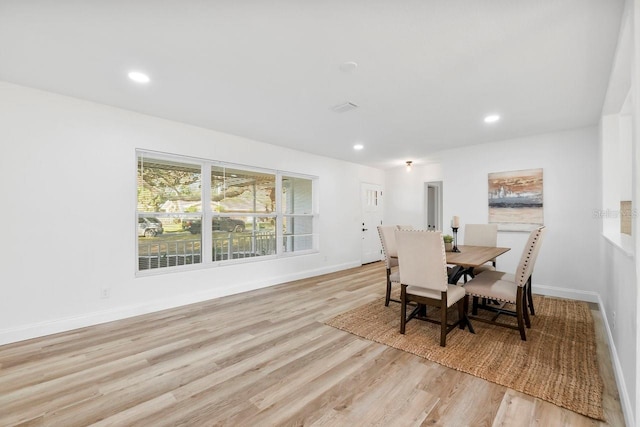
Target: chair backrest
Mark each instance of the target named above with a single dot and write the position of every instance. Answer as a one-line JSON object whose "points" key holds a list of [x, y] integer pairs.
{"points": [[422, 259], [481, 234], [388, 240], [529, 256], [404, 227]]}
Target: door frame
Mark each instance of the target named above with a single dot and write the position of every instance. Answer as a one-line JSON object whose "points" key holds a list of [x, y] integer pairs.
{"points": [[437, 185], [372, 227]]}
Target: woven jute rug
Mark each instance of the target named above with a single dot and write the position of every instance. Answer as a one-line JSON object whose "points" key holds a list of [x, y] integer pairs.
{"points": [[557, 363]]}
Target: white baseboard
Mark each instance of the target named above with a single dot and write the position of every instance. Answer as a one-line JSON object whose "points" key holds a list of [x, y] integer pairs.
{"points": [[576, 294], [625, 401], [55, 326]]}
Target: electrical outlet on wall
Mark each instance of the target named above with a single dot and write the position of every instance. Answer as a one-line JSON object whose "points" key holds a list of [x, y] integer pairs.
{"points": [[105, 292]]}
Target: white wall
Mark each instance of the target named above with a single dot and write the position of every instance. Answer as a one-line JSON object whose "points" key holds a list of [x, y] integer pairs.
{"points": [[633, 345], [569, 162], [620, 293], [620, 297], [68, 173]]}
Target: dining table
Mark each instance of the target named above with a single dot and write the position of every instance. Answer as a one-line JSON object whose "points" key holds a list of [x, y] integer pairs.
{"points": [[470, 257], [464, 261]]}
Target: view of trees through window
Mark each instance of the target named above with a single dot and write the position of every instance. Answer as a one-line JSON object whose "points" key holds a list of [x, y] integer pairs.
{"points": [[249, 212]]}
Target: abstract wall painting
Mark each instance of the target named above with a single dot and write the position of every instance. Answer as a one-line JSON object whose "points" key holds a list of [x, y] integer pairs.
{"points": [[515, 200]]}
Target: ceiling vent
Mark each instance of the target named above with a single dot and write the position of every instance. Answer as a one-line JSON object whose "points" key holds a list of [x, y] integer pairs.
{"points": [[343, 108]]}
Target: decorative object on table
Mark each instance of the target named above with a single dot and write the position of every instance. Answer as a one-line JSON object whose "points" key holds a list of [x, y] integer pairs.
{"points": [[515, 200], [448, 242], [496, 354], [455, 224]]}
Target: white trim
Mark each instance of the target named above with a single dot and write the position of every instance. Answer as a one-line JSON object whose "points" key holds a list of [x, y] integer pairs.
{"points": [[576, 294], [438, 185], [621, 242], [40, 329], [625, 401], [206, 242]]}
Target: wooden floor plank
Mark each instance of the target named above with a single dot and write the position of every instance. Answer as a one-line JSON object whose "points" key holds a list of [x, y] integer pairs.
{"points": [[260, 358]]}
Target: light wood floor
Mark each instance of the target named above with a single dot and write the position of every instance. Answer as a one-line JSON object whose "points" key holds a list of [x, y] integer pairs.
{"points": [[260, 358]]}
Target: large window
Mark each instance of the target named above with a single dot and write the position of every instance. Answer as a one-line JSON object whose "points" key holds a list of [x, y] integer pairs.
{"points": [[169, 199], [297, 209], [244, 214], [247, 213]]}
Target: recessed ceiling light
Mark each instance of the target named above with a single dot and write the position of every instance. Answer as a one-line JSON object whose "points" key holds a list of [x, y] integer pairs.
{"points": [[492, 118], [139, 77], [358, 147]]}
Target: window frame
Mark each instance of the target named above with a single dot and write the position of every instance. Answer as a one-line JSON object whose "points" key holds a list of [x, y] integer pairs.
{"points": [[208, 214], [313, 215]]}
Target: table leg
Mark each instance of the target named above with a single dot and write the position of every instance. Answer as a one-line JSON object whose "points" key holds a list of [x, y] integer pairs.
{"points": [[465, 321], [455, 275]]}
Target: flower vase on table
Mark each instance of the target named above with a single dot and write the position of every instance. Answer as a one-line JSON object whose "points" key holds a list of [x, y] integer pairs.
{"points": [[448, 242]]}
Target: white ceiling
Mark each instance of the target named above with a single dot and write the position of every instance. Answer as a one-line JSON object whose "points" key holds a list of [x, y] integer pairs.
{"points": [[428, 70]]}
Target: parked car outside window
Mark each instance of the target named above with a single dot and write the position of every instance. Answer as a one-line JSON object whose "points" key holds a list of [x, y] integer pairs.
{"points": [[149, 226], [217, 224]]}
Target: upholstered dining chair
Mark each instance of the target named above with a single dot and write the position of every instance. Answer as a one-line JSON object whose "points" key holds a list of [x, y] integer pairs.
{"points": [[423, 280], [404, 227], [388, 240], [481, 235], [508, 288]]}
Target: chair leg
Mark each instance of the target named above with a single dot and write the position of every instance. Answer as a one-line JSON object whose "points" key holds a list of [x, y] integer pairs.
{"points": [[519, 313], [422, 310], [474, 306], [525, 310], [443, 320], [403, 308], [388, 296], [530, 297], [465, 311], [462, 318]]}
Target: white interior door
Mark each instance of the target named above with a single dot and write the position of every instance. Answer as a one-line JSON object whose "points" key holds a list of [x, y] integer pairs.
{"points": [[371, 196]]}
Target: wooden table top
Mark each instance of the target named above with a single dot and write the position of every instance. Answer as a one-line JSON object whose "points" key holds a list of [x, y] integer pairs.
{"points": [[474, 256]]}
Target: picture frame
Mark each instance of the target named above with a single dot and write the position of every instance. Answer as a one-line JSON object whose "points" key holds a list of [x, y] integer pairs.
{"points": [[515, 199]]}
